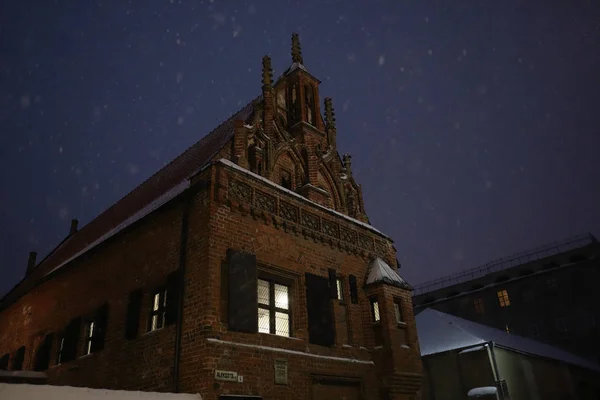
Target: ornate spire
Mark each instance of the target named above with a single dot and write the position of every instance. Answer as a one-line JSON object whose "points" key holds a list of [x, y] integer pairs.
{"points": [[347, 161], [329, 114], [267, 72], [296, 50]]}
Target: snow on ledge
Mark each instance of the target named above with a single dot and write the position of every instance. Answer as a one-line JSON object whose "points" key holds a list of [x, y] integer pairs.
{"points": [[153, 205], [482, 391], [296, 195], [23, 374], [287, 351], [49, 392]]}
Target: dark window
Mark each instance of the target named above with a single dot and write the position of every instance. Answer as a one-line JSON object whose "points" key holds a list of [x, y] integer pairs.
{"points": [[4, 362], [273, 308], [318, 305], [42, 356], [535, 330], [95, 331], [17, 363], [333, 293], [353, 289], [478, 304], [158, 309], [71, 340], [551, 282], [375, 313], [562, 325], [134, 307], [528, 295], [286, 180], [243, 281], [172, 298], [398, 311]]}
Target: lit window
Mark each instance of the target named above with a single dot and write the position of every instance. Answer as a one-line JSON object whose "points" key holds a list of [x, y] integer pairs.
{"points": [[478, 304], [507, 329], [503, 298], [375, 310], [273, 308], [61, 347], [157, 310], [398, 311], [340, 289], [89, 337]]}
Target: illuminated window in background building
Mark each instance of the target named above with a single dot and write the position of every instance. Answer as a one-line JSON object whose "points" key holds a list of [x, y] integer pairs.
{"points": [[507, 329], [478, 304], [273, 308], [503, 298]]}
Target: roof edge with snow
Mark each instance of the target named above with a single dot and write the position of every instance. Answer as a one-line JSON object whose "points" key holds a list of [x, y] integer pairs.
{"points": [[275, 186]]}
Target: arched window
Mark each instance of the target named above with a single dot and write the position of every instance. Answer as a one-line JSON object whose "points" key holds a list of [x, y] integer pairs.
{"points": [[310, 104]]}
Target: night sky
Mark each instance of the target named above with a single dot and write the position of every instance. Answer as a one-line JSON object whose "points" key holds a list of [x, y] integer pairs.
{"points": [[474, 125]]}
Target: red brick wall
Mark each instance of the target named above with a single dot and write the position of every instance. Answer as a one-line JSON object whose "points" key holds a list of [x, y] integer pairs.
{"points": [[144, 254], [139, 257], [228, 222]]}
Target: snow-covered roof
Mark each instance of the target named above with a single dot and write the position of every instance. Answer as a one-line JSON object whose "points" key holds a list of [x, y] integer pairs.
{"points": [[482, 391], [439, 332], [295, 66], [152, 206], [48, 392], [296, 195], [380, 271]]}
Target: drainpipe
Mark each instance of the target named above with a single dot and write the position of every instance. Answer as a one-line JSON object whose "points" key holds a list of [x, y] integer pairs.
{"points": [[189, 196], [494, 364]]}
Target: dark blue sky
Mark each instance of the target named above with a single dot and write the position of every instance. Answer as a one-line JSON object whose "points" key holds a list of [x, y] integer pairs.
{"points": [[474, 125]]}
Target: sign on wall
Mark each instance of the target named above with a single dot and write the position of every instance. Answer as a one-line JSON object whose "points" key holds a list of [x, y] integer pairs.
{"points": [[229, 376]]}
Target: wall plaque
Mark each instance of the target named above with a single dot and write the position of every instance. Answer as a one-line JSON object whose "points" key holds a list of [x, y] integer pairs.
{"points": [[281, 372]]}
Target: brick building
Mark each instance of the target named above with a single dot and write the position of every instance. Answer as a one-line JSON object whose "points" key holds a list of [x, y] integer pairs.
{"points": [[247, 266], [546, 294]]}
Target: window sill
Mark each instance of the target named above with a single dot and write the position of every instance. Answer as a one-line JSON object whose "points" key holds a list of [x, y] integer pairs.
{"points": [[153, 331], [401, 325], [280, 336]]}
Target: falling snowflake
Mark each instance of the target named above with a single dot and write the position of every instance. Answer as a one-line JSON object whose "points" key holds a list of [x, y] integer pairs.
{"points": [[381, 59]]}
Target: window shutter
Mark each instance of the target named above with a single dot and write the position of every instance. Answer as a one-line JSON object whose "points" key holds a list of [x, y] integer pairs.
{"points": [[42, 357], [243, 298], [172, 298], [353, 289], [19, 358], [71, 340], [4, 362], [332, 283], [100, 324], [318, 305], [134, 307]]}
